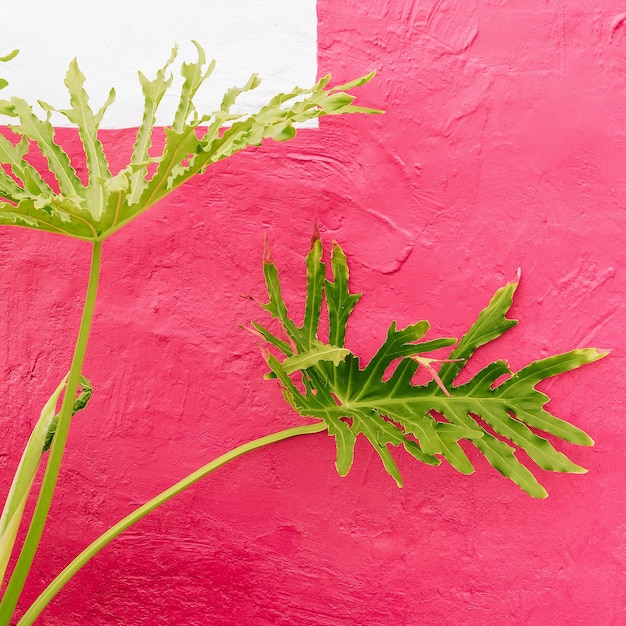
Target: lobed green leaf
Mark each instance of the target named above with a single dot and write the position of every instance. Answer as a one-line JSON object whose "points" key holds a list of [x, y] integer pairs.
{"points": [[108, 202], [382, 402]]}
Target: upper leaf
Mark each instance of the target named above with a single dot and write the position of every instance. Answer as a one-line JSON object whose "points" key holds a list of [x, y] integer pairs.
{"points": [[193, 142], [382, 402]]}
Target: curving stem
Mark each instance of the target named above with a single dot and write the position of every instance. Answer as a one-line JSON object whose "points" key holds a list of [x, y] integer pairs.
{"points": [[92, 549]]}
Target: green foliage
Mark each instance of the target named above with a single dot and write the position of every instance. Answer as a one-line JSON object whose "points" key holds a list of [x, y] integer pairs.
{"points": [[495, 410], [92, 210], [38, 443], [107, 201], [326, 381]]}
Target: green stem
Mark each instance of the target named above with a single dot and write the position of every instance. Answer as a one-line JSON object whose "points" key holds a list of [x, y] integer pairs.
{"points": [[90, 551], [33, 537]]}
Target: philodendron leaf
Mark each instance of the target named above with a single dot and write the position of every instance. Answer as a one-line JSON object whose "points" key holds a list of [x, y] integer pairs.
{"points": [[381, 401], [193, 141]]}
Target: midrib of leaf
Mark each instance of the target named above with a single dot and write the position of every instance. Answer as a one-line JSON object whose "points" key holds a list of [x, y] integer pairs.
{"points": [[422, 399]]}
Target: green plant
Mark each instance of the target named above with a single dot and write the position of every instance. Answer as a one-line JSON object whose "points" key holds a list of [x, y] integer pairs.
{"points": [[94, 210], [323, 381], [381, 402]]}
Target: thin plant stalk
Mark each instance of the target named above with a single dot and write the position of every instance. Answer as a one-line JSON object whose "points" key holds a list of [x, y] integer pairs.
{"points": [[48, 485], [90, 551]]}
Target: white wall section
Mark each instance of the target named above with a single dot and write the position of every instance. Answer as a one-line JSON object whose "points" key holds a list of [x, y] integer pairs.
{"points": [[112, 40]]}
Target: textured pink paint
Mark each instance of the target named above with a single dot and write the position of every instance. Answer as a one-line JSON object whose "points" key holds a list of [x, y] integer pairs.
{"points": [[503, 146]]}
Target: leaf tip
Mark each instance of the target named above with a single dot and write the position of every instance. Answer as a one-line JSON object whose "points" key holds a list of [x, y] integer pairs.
{"points": [[315, 236], [341, 470], [602, 352], [252, 331], [200, 51], [267, 253], [590, 355], [9, 56]]}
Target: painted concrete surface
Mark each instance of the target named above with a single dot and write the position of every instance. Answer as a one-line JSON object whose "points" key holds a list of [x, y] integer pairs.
{"points": [[503, 146]]}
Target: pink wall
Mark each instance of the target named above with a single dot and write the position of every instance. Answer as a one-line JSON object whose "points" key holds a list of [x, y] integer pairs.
{"points": [[504, 145]]}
